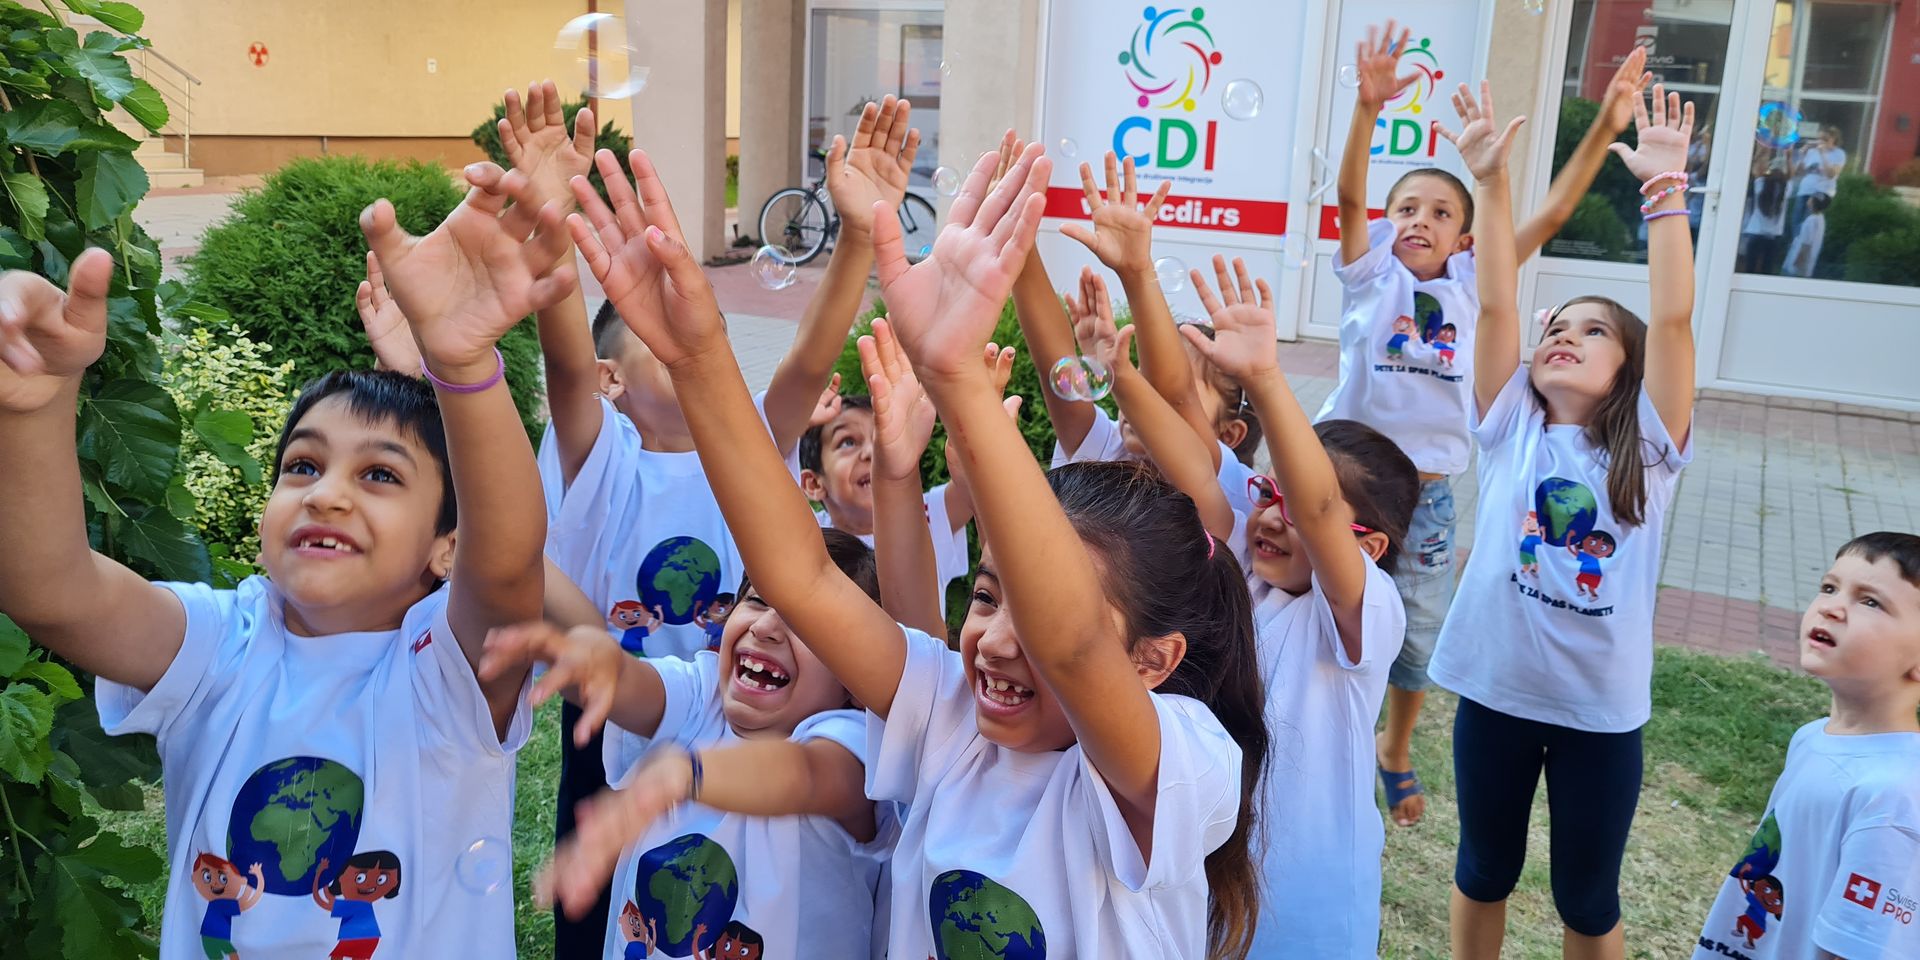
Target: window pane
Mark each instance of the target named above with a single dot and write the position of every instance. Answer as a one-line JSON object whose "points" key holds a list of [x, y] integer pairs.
{"points": [[1845, 42], [861, 55]]}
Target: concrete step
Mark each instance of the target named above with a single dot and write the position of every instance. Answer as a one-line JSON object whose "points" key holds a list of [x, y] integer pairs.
{"points": [[175, 177]]}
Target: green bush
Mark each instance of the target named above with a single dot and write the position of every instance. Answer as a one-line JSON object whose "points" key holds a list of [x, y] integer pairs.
{"points": [[285, 265], [228, 500], [1887, 257], [1594, 222], [1614, 186], [1863, 225], [486, 136]]}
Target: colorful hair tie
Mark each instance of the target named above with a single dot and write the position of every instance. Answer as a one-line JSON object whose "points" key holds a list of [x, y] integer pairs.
{"points": [[1679, 175], [1650, 217], [499, 373]]}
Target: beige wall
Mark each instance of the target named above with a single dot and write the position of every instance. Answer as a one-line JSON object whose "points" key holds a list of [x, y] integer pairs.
{"points": [[1516, 68], [358, 68]]}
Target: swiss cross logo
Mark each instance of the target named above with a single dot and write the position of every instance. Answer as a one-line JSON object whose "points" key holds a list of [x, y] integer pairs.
{"points": [[426, 638], [1862, 891]]}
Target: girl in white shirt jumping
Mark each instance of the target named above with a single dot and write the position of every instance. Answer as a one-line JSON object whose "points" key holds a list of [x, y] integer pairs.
{"points": [[1078, 774], [1554, 666]]}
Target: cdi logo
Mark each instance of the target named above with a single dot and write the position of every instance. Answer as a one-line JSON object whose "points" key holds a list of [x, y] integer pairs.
{"points": [[1169, 64], [1406, 137]]}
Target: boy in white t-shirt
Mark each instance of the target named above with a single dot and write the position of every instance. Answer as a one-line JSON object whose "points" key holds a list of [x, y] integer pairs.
{"points": [[1409, 309], [1804, 255], [1834, 868], [321, 729]]}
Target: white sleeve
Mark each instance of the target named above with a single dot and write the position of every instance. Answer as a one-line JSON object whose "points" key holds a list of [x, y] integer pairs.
{"points": [[1512, 408], [1379, 256], [593, 509], [1102, 442], [1671, 456], [454, 707], [950, 561], [1869, 902], [688, 688], [221, 625], [1383, 620], [848, 728], [1196, 808], [931, 714]]}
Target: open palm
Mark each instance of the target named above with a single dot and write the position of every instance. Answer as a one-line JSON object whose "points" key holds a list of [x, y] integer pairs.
{"points": [[1663, 136], [1092, 316], [48, 337], [1377, 65], [944, 308], [903, 416], [1624, 90], [1122, 234], [537, 143], [874, 167], [1242, 317], [1484, 146]]}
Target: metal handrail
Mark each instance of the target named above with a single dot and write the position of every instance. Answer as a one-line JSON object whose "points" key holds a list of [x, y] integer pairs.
{"points": [[177, 68], [181, 92]]}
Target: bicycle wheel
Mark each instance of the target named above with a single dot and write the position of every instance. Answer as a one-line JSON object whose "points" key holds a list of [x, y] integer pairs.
{"points": [[918, 226], [795, 219]]}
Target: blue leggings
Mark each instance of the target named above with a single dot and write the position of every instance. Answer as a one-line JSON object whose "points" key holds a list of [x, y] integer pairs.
{"points": [[1593, 782]]}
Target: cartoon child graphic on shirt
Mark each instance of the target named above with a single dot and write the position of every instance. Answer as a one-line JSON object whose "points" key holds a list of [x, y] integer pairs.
{"points": [[1403, 328], [1766, 895], [1593, 548], [370, 876], [228, 895], [639, 933], [1443, 344], [737, 941], [635, 622], [713, 619], [1530, 543]]}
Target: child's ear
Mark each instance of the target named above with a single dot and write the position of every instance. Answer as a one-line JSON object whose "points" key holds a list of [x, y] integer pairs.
{"points": [[814, 486], [611, 386], [1375, 545], [1233, 432], [440, 563], [1463, 244], [1156, 659]]}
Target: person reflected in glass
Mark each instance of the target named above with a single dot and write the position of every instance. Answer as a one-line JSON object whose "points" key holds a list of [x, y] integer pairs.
{"points": [[1815, 170], [1765, 225]]}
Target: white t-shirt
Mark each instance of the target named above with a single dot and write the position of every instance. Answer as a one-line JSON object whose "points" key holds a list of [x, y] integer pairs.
{"points": [[285, 750], [1399, 371], [638, 529], [1812, 178], [1835, 864], [950, 561], [1323, 834], [1757, 222], [1553, 620], [801, 884], [1804, 253], [1105, 442], [1006, 853]]}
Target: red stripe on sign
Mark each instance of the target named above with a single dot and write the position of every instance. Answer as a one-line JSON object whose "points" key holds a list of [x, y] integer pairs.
{"points": [[1197, 213], [1330, 220]]}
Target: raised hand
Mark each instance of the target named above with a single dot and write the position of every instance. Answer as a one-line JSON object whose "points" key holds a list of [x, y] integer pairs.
{"points": [[584, 659], [48, 338], [1623, 91], [387, 330], [608, 823], [998, 361], [1011, 147], [535, 138], [1663, 137], [1242, 345], [463, 286], [1092, 316], [874, 168], [902, 415], [1376, 61], [1482, 145], [828, 405], [945, 307], [638, 254], [1122, 234]]}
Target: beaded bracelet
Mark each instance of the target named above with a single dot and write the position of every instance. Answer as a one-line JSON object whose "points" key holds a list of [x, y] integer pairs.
{"points": [[1679, 175], [499, 372], [1647, 207], [1650, 217]]}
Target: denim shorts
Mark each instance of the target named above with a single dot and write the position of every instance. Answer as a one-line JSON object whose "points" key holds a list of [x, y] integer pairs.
{"points": [[1426, 581]]}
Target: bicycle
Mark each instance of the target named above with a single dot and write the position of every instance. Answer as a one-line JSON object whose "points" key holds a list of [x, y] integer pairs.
{"points": [[802, 220]]}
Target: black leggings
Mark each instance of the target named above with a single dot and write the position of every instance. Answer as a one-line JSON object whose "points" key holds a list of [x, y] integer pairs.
{"points": [[1593, 782]]}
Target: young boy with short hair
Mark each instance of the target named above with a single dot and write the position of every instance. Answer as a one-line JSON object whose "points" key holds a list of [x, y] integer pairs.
{"points": [[1834, 868]]}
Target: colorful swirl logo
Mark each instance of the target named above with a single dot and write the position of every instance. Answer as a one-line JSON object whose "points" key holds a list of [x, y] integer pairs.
{"points": [[1414, 98], [1173, 50]]}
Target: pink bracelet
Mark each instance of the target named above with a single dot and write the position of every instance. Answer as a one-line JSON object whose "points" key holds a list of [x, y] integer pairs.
{"points": [[1680, 175], [1650, 217], [1647, 207], [499, 373]]}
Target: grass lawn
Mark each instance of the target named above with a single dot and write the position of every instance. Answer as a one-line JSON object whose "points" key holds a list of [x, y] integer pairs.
{"points": [[1714, 746]]}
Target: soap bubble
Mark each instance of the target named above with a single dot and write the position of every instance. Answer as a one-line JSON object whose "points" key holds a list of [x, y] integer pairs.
{"points": [[594, 49], [1535, 7], [1172, 272], [1778, 125], [1349, 76], [1296, 253], [1069, 379], [1068, 148], [1099, 378], [774, 267], [946, 69], [1242, 100], [946, 181], [484, 865]]}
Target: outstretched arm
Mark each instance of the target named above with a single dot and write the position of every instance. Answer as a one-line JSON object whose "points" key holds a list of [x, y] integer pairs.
{"points": [[902, 427], [1573, 179], [874, 168], [1663, 147], [586, 668], [636, 251], [1045, 326], [77, 603], [1377, 62], [1485, 148]]}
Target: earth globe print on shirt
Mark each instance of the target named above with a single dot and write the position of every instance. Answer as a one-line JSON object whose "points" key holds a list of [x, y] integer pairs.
{"points": [[683, 886], [1568, 510], [681, 576], [975, 917], [293, 813]]}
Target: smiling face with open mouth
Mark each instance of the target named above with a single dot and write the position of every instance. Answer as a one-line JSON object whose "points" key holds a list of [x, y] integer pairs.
{"points": [[769, 680], [1279, 558], [1010, 704], [1863, 627], [844, 482], [1430, 219]]}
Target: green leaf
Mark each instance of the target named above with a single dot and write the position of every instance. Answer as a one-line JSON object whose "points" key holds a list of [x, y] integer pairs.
{"points": [[146, 105], [153, 535], [43, 126], [95, 919], [132, 429], [105, 762], [59, 680], [180, 501], [24, 81], [16, 253], [14, 648], [98, 63], [124, 17], [26, 715], [110, 184], [29, 197], [226, 434]]}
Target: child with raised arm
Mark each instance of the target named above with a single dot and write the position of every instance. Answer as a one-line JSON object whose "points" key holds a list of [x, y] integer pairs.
{"points": [[1834, 868], [1063, 745], [1553, 669], [329, 710], [1409, 311]]}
